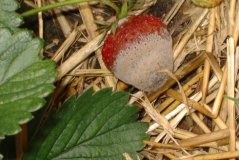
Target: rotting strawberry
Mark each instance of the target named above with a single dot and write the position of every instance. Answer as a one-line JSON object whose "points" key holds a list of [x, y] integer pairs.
{"points": [[138, 51]]}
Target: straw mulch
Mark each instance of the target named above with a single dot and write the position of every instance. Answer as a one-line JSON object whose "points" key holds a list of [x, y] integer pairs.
{"points": [[190, 117]]}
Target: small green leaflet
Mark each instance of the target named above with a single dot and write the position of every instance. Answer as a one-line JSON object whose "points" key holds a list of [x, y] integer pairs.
{"points": [[25, 79], [100, 126]]}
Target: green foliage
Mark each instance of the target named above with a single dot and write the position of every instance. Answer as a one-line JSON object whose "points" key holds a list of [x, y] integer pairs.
{"points": [[24, 78], [98, 126], [9, 18]]}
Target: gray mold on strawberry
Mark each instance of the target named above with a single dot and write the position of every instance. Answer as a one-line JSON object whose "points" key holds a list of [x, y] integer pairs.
{"points": [[138, 51]]}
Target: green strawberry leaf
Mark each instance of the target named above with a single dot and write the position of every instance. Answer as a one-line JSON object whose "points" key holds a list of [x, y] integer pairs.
{"points": [[24, 79], [100, 126], [9, 18]]}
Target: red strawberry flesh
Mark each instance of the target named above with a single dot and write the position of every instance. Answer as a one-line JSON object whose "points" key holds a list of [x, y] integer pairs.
{"points": [[139, 49]]}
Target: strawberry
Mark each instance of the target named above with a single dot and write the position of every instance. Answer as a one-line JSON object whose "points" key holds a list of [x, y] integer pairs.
{"points": [[140, 47]]}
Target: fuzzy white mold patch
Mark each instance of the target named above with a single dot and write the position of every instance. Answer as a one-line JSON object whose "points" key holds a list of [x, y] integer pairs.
{"points": [[140, 63]]}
